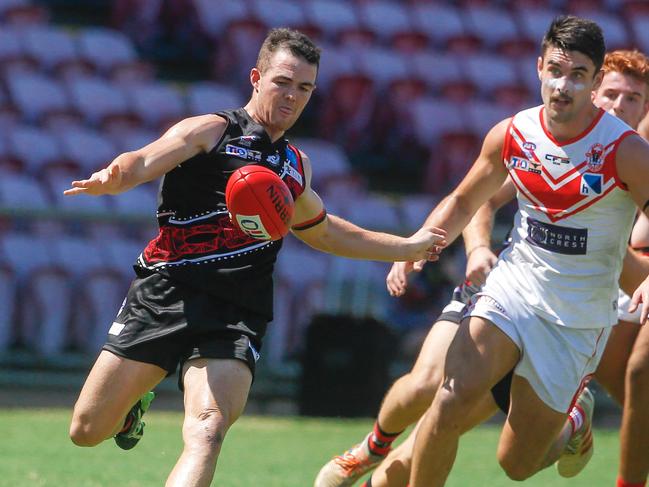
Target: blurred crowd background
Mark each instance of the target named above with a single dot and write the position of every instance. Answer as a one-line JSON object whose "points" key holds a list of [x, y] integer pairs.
{"points": [[406, 91]]}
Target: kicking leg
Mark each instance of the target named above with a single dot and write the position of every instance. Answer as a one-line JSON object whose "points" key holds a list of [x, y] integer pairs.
{"points": [[216, 391], [113, 386]]}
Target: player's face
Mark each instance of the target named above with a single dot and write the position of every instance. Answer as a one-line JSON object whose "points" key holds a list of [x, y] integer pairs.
{"points": [[283, 90], [623, 96], [567, 80]]}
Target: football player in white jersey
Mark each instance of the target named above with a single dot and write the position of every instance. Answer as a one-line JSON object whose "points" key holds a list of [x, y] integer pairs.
{"points": [[548, 306], [622, 93]]}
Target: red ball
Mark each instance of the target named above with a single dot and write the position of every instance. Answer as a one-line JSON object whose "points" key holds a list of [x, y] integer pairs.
{"points": [[259, 202]]}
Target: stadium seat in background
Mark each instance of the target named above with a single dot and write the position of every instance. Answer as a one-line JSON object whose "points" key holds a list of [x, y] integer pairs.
{"points": [[133, 139], [287, 13], [449, 161], [99, 288], [493, 24], [332, 17], [13, 58], [433, 118], [35, 148], [22, 12], [44, 292], [207, 97], [534, 20], [442, 22], [383, 66], [139, 201], [102, 103], [159, 105], [20, 192], [385, 18], [375, 211], [438, 69], [106, 49], [37, 96], [121, 252], [414, 209], [214, 21], [51, 47], [88, 149], [483, 115], [489, 72]]}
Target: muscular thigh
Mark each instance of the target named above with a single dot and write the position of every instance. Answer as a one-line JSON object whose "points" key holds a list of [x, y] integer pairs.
{"points": [[433, 352], [612, 368], [112, 387], [640, 354]]}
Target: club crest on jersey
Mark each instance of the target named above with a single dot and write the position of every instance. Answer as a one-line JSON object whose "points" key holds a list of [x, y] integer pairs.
{"points": [[528, 149], [524, 165], [243, 153], [595, 157], [274, 159], [591, 184]]}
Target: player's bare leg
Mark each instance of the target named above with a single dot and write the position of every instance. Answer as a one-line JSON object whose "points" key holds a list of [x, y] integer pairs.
{"points": [[634, 433], [611, 370], [112, 387], [472, 368], [394, 471], [216, 392]]}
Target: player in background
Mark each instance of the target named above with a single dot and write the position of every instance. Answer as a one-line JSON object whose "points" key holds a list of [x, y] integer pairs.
{"points": [[203, 293], [622, 93]]}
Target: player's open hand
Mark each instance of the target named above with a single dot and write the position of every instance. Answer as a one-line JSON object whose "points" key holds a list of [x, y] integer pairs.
{"points": [[105, 181], [641, 296], [479, 263]]}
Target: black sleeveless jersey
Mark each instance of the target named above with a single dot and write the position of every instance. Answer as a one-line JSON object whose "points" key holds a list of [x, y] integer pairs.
{"points": [[197, 243]]}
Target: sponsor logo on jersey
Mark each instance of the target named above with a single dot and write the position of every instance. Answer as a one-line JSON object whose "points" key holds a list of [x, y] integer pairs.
{"points": [[595, 157], [563, 240], [557, 160], [524, 165], [243, 153], [116, 328], [591, 184], [294, 173], [248, 140], [252, 225]]}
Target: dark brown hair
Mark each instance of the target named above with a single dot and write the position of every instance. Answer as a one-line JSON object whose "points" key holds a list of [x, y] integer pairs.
{"points": [[281, 38]]}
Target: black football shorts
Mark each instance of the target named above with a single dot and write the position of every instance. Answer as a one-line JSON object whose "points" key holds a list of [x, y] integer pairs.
{"points": [[165, 322]]}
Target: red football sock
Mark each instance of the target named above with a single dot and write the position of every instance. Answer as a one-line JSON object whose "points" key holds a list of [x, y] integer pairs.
{"points": [[379, 441], [622, 483]]}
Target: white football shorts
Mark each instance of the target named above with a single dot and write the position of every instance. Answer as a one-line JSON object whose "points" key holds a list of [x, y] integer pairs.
{"points": [[555, 360]]}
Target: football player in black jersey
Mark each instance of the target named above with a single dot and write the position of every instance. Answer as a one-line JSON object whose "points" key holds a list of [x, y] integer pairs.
{"points": [[202, 295]]}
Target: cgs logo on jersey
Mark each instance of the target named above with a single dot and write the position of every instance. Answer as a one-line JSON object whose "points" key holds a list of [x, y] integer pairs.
{"points": [[524, 165], [243, 153], [591, 184], [595, 157], [248, 140], [557, 160]]}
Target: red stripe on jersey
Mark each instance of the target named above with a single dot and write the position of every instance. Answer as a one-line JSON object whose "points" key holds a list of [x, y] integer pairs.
{"points": [[597, 118]]}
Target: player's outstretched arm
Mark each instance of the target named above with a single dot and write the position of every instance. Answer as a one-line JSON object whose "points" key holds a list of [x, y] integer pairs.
{"points": [[181, 142], [335, 235]]}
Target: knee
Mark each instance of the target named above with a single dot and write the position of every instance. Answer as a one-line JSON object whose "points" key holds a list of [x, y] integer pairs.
{"points": [[423, 388], [637, 374], [82, 432], [206, 431]]}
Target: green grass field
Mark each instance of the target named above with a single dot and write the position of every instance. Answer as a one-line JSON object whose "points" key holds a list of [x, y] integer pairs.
{"points": [[259, 451]]}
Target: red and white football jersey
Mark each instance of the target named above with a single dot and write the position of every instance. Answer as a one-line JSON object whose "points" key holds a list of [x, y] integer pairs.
{"points": [[573, 222]]}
